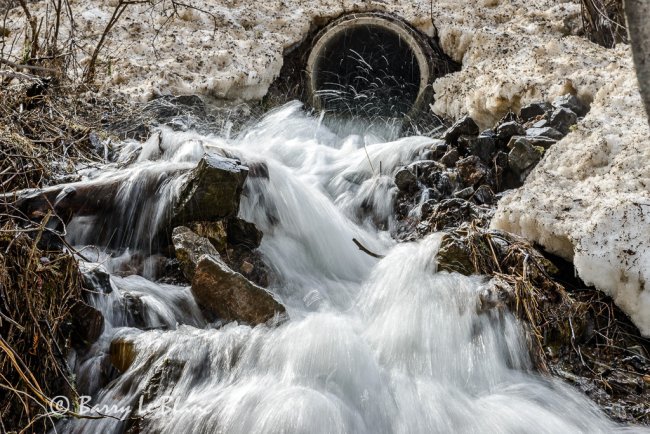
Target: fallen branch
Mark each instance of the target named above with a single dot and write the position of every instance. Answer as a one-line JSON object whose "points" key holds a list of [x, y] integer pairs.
{"points": [[365, 250]]}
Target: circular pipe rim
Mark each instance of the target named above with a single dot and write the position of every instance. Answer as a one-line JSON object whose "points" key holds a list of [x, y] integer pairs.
{"points": [[399, 27]]}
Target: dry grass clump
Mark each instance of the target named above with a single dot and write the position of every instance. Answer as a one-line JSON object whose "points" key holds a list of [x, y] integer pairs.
{"points": [[604, 21], [38, 293], [522, 281]]}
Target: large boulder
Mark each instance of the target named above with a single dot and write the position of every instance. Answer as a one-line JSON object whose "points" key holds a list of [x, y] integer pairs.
{"points": [[211, 191], [230, 295]]}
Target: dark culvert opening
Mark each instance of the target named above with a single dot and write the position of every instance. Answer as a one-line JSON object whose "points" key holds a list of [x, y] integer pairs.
{"points": [[368, 71], [365, 66]]}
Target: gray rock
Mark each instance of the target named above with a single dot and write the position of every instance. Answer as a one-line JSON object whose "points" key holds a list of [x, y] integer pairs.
{"points": [[406, 180], [509, 129], [531, 111], [230, 295], [572, 103], [562, 119], [543, 142], [465, 126], [484, 195], [523, 156], [189, 247], [481, 146], [450, 158], [541, 124], [548, 132], [465, 193], [211, 191]]}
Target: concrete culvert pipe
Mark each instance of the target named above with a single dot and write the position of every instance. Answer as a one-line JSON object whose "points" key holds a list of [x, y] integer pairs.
{"points": [[371, 65]]}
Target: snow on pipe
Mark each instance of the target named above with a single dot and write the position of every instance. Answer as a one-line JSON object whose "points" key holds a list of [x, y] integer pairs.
{"points": [[371, 64]]}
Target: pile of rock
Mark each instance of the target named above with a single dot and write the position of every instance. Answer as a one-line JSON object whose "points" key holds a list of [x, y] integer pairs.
{"points": [[468, 169]]}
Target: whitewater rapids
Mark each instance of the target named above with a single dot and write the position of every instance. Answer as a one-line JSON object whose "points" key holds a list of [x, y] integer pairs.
{"points": [[372, 346]]}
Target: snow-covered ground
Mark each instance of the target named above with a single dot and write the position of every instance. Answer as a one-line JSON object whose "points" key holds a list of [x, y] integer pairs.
{"points": [[588, 200]]}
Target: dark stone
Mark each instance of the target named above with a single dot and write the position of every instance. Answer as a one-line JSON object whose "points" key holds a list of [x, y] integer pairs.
{"points": [[405, 180], [465, 193], [258, 170], [472, 171], [509, 129], [523, 157], [95, 278], [465, 126], [562, 119], [444, 184], [87, 325], [212, 190], [481, 146], [484, 195], [230, 295], [243, 233], [531, 111], [548, 132], [450, 158], [134, 310], [572, 103], [439, 150]]}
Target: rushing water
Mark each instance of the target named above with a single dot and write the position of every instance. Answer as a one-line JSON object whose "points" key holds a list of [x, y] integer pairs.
{"points": [[372, 346]]}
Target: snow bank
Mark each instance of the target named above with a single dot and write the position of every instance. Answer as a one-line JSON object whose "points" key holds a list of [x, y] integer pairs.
{"points": [[587, 201]]}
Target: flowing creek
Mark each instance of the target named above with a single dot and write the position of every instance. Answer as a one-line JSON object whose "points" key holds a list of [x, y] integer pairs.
{"points": [[372, 345]]}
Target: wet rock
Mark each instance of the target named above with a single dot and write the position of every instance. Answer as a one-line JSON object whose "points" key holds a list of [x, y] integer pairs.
{"points": [[484, 195], [531, 111], [465, 193], [450, 158], [472, 171], [258, 170], [509, 129], [230, 295], [134, 309], [465, 126], [548, 132], [406, 180], [572, 103], [87, 325], [95, 277], [481, 146], [523, 156], [541, 124], [243, 233], [439, 150], [215, 232], [122, 353], [562, 119], [211, 191], [451, 213], [189, 247], [454, 255]]}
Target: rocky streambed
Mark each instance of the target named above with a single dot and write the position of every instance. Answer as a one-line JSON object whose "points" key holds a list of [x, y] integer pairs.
{"points": [[201, 250]]}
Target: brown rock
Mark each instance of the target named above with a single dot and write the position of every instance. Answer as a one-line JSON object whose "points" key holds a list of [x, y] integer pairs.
{"points": [[122, 352], [230, 295], [189, 247]]}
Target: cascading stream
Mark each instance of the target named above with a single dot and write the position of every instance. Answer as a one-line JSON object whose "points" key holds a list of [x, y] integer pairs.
{"points": [[372, 346]]}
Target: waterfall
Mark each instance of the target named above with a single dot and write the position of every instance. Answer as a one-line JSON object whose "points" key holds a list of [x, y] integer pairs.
{"points": [[373, 345]]}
